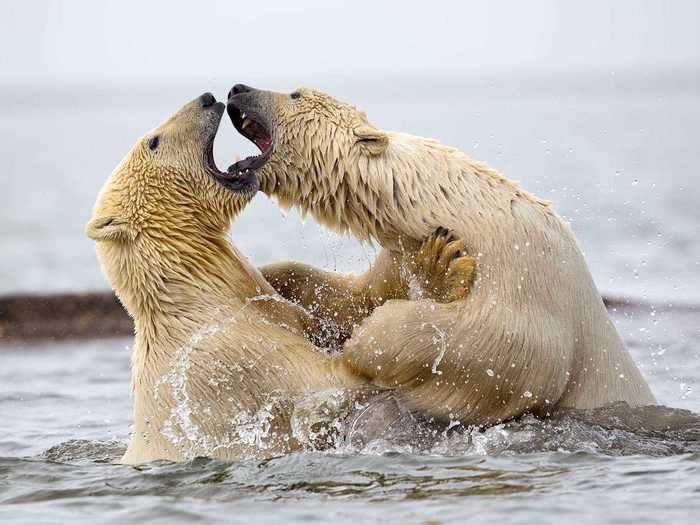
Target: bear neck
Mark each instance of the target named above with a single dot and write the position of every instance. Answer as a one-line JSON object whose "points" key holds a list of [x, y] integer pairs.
{"points": [[397, 197], [173, 286]]}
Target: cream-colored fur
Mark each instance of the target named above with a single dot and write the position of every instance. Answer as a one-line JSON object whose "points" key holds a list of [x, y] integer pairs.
{"points": [[532, 334], [440, 270], [219, 360], [222, 365]]}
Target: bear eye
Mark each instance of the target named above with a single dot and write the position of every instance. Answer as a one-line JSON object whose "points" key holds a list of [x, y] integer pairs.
{"points": [[296, 94], [153, 142]]}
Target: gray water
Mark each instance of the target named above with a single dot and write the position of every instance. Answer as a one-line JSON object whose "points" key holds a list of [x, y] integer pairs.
{"points": [[618, 159], [67, 413]]}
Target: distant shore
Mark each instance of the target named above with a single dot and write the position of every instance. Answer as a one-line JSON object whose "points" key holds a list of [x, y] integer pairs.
{"points": [[62, 316], [99, 314]]}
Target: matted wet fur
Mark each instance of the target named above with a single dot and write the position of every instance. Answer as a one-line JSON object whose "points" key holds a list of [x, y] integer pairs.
{"points": [[221, 364], [532, 334]]}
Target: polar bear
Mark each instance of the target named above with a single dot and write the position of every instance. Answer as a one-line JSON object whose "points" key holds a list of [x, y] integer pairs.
{"points": [[532, 334], [219, 359]]}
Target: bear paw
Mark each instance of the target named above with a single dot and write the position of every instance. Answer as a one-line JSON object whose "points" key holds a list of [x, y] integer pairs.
{"points": [[442, 270]]}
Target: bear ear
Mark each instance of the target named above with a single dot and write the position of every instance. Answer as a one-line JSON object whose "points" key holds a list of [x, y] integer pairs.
{"points": [[372, 140], [108, 228]]}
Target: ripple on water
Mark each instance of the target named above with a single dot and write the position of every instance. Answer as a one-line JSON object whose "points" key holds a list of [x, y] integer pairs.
{"points": [[534, 468], [612, 464]]}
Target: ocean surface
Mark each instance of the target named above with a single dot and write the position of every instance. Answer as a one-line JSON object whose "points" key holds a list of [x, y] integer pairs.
{"points": [[618, 157], [66, 415]]}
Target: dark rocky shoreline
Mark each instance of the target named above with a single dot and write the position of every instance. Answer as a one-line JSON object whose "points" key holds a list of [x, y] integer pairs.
{"points": [[99, 314], [62, 316]]}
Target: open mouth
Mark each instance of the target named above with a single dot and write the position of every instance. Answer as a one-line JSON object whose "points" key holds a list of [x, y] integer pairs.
{"points": [[238, 181], [255, 131]]}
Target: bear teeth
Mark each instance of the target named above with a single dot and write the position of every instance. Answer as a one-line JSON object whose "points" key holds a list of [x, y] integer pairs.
{"points": [[246, 123]]}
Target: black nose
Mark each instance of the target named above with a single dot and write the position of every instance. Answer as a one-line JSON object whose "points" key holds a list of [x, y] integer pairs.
{"points": [[207, 100], [239, 88]]}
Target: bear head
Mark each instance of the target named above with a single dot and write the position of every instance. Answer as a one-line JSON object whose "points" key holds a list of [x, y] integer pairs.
{"points": [[166, 183], [306, 139], [162, 215]]}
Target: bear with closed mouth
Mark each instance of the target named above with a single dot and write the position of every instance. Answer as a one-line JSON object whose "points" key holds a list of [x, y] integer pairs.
{"points": [[531, 335]]}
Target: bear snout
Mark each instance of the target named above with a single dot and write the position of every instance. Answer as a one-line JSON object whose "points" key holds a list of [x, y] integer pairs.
{"points": [[238, 89], [207, 100]]}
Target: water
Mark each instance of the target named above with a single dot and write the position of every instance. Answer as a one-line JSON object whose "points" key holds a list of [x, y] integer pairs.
{"points": [[620, 161], [68, 410]]}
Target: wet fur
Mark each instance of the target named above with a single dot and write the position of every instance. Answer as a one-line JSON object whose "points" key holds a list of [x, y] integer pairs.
{"points": [[532, 334], [218, 357], [222, 365]]}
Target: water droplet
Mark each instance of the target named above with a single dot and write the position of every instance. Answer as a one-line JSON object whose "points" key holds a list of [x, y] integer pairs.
{"points": [[489, 372], [686, 390], [527, 394]]}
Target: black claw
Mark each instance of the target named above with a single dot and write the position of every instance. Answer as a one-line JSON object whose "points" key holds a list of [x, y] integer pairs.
{"points": [[440, 232]]}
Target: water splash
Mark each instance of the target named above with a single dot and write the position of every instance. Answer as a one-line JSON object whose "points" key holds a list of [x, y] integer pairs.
{"points": [[441, 340], [180, 428], [319, 419], [255, 430], [614, 430]]}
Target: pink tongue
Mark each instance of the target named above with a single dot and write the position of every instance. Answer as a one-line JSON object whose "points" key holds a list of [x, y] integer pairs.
{"points": [[262, 144]]}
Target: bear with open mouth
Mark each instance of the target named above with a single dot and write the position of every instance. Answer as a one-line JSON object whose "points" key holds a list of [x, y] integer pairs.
{"points": [[531, 335], [221, 364]]}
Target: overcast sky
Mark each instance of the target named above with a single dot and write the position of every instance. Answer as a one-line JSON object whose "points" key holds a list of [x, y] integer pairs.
{"points": [[76, 41]]}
